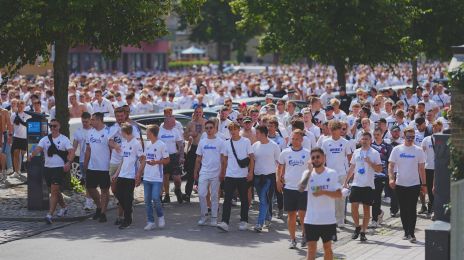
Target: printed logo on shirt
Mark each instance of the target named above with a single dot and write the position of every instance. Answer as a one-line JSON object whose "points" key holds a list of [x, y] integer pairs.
{"points": [[126, 154], [319, 188], [95, 140], [335, 150], [166, 136], [150, 156], [405, 155], [209, 147], [117, 139], [295, 162]]}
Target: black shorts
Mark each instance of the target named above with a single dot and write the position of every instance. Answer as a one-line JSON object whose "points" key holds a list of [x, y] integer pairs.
{"points": [[19, 144], [325, 232], [173, 167], [96, 179], [295, 200], [363, 195], [54, 176]]}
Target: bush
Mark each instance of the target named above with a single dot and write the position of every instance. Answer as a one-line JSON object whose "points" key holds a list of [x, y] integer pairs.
{"points": [[76, 185], [174, 65]]}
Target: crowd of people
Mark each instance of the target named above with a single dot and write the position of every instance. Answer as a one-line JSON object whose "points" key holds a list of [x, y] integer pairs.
{"points": [[305, 162]]}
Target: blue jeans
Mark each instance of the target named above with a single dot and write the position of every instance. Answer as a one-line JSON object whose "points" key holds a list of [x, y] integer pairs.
{"points": [[263, 185], [152, 192]]}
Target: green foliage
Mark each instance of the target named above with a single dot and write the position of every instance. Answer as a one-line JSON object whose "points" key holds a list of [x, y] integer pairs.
{"points": [[457, 156], [188, 64], [76, 185]]}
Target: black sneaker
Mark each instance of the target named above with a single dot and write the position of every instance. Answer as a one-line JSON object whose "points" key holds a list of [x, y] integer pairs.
{"points": [[423, 210], [356, 233], [102, 218], [412, 239], [363, 237], [118, 221], [335, 238], [178, 196], [209, 212], [393, 214], [303, 242], [186, 198], [97, 214], [166, 199], [124, 225]]}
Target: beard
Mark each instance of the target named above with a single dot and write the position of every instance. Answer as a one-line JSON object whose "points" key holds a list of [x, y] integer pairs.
{"points": [[318, 165]]}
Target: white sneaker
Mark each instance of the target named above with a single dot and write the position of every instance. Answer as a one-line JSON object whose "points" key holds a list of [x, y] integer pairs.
{"points": [[223, 226], [341, 225], [387, 200], [213, 222], [149, 226], [16, 175], [374, 224], [161, 222], [243, 226], [202, 221], [62, 212], [380, 217], [88, 204], [48, 219]]}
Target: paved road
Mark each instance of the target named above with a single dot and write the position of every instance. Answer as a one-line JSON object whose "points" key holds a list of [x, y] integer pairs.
{"points": [[183, 239]]}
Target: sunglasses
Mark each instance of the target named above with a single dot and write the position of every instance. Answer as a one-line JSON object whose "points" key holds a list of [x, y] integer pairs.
{"points": [[410, 137], [315, 157], [52, 125]]}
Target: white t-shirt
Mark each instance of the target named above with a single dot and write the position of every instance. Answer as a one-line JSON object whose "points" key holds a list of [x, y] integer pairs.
{"points": [[185, 102], [295, 162], [341, 116], [224, 128], [315, 130], [321, 210], [363, 173], [144, 108], [210, 150], [62, 143], [105, 107], [407, 161], [427, 145], [131, 151], [115, 134], [154, 151], [243, 150], [99, 148], [266, 157], [418, 137], [170, 137], [336, 152], [19, 130], [81, 136]]}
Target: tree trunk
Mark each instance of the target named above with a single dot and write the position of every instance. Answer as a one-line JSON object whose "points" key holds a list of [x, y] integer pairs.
{"points": [[61, 81], [220, 57], [341, 70], [414, 73]]}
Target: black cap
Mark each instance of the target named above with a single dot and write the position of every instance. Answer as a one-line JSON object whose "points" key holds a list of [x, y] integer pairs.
{"points": [[420, 120], [328, 108], [395, 127], [342, 88]]}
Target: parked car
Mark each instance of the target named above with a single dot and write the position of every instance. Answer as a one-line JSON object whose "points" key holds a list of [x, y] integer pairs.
{"points": [[189, 112], [157, 118]]}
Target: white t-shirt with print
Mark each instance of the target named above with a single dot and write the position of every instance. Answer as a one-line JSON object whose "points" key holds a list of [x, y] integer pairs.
{"points": [[427, 146], [170, 137], [336, 152], [295, 163], [99, 148], [266, 157], [131, 151], [210, 150], [115, 134], [321, 210], [363, 173], [62, 143], [243, 150], [407, 159], [154, 151]]}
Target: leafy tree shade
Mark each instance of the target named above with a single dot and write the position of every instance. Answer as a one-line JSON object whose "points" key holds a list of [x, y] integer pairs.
{"points": [[29, 27], [218, 25], [329, 31]]}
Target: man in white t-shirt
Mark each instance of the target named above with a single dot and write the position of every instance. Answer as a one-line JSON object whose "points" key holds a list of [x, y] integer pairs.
{"points": [[59, 154], [97, 164], [79, 140], [266, 154], [102, 104], [338, 152], [365, 162], [19, 145], [207, 170], [237, 164], [323, 188], [409, 160], [293, 161], [156, 155], [127, 176]]}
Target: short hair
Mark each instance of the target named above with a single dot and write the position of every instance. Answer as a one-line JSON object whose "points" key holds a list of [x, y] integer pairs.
{"points": [[210, 122], [55, 120], [85, 115], [378, 129], [126, 128], [408, 130], [298, 124], [335, 101], [99, 116], [233, 125], [367, 134], [317, 150], [262, 129], [335, 125], [273, 121], [98, 91], [154, 129], [299, 132], [399, 113]]}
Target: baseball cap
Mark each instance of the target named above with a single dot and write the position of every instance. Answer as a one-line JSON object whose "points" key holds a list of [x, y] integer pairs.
{"points": [[382, 120], [328, 108], [247, 119], [269, 96], [395, 128], [419, 120]]}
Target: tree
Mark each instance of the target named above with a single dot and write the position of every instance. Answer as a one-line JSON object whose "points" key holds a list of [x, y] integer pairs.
{"points": [[342, 33], [218, 25], [29, 27]]}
